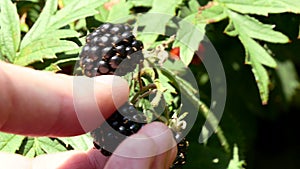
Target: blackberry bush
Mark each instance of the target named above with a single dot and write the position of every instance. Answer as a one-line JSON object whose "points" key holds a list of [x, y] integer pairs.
{"points": [[113, 49]]}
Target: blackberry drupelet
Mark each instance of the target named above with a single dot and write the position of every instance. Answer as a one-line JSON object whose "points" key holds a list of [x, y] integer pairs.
{"points": [[109, 46], [123, 122]]}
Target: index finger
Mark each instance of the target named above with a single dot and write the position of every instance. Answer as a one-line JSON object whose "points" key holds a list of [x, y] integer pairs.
{"points": [[40, 103]]}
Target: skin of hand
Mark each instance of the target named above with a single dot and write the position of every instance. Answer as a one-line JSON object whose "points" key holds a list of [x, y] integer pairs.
{"points": [[37, 103]]}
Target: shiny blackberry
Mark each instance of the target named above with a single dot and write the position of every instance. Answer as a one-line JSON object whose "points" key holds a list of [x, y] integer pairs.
{"points": [[180, 160], [110, 49], [122, 123]]}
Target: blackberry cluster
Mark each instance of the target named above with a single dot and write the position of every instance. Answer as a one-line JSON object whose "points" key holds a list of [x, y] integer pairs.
{"points": [[113, 49], [109, 46], [123, 122]]}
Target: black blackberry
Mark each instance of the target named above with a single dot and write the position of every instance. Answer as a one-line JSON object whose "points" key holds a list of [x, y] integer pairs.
{"points": [[109, 46], [123, 122], [180, 160]]}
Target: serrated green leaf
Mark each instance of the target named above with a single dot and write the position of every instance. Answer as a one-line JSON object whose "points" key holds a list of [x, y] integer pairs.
{"points": [[29, 150], [188, 37], [235, 162], [43, 49], [50, 146], [262, 79], [262, 7], [288, 77], [10, 34], [83, 142], [118, 13], [254, 50], [212, 14], [154, 26], [76, 10], [41, 145], [50, 19], [165, 7], [253, 28], [155, 21], [10, 142], [40, 26], [53, 67], [230, 29]]}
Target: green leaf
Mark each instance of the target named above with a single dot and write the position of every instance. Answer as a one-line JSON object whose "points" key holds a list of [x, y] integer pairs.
{"points": [[288, 77], [10, 142], [262, 7], [235, 162], [193, 6], [262, 79], [83, 142], [40, 26], [230, 29], [76, 10], [188, 37], [254, 50], [43, 49], [41, 145], [60, 34], [165, 7], [186, 53], [10, 34], [154, 26], [119, 12], [50, 146], [31, 148], [156, 20], [50, 19], [67, 2], [148, 39], [253, 28], [212, 14], [53, 67]]}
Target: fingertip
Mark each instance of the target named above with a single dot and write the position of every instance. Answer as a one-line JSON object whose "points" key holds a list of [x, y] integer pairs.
{"points": [[95, 99], [136, 152], [117, 86], [161, 134], [165, 142]]}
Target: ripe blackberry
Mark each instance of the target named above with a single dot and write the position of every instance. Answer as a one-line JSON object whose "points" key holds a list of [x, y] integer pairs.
{"points": [[123, 122], [109, 46], [180, 160]]}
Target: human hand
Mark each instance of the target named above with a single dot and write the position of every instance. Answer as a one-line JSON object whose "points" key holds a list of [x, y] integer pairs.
{"points": [[36, 103]]}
